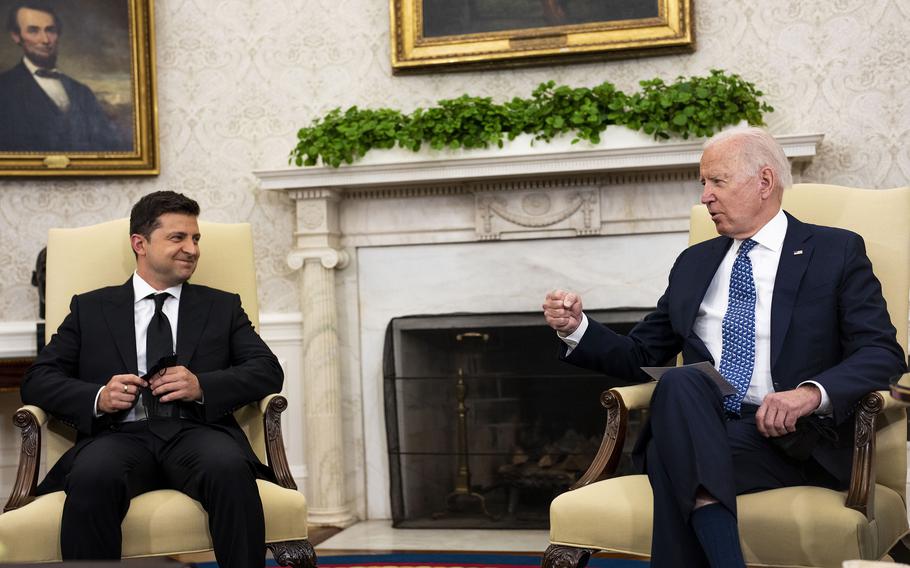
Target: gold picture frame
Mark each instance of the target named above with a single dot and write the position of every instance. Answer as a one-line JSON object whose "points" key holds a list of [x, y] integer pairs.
{"points": [[437, 35], [106, 123]]}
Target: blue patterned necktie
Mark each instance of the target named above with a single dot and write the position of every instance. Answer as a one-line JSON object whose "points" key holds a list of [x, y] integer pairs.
{"points": [[737, 357]]}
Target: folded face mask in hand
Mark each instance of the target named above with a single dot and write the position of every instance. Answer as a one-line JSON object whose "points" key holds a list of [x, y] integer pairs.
{"points": [[810, 429]]}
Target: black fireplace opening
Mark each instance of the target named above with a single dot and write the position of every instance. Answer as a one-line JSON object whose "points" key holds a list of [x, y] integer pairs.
{"points": [[485, 425]]}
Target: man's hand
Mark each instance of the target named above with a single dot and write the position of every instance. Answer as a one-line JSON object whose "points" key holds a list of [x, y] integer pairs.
{"points": [[176, 383], [562, 311], [119, 393], [779, 411]]}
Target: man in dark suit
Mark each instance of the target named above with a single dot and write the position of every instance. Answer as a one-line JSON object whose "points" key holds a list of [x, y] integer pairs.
{"points": [[790, 314], [41, 109], [141, 427]]}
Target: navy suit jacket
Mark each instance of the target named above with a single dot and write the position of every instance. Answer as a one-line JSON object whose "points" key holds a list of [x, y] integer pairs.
{"points": [[829, 324], [215, 340], [31, 122]]}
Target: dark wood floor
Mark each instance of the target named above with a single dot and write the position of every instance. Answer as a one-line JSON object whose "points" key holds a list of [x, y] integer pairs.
{"points": [[317, 535]]}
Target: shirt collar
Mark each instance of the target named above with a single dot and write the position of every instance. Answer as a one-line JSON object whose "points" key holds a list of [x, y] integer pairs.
{"points": [[771, 236], [142, 289], [32, 67]]}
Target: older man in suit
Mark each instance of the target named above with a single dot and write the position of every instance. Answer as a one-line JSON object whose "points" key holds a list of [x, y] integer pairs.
{"points": [[149, 373], [790, 314], [42, 109]]}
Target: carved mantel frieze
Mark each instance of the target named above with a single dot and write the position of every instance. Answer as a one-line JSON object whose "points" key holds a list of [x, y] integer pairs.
{"points": [[537, 212]]}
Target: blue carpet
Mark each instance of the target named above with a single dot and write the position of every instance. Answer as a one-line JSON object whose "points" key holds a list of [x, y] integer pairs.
{"points": [[447, 560]]}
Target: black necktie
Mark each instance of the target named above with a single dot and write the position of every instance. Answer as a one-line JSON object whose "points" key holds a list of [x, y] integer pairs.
{"points": [[159, 343], [47, 73]]}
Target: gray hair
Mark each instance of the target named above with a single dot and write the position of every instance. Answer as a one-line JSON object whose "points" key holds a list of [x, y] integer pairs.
{"points": [[758, 150]]}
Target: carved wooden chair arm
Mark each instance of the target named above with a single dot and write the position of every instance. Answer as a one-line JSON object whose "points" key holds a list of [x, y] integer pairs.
{"points": [[620, 400], [617, 401], [861, 495], [272, 406], [29, 419]]}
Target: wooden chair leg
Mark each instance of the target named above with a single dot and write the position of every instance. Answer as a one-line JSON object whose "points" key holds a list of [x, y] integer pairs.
{"points": [[296, 553], [558, 556]]}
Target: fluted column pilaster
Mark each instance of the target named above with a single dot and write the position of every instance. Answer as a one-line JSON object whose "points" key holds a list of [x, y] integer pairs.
{"points": [[317, 255]]}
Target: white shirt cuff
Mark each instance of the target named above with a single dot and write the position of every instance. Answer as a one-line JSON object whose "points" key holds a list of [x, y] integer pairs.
{"points": [[574, 338], [98, 414], [824, 407]]}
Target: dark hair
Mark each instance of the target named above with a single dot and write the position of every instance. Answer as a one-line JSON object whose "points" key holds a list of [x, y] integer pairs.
{"points": [[146, 211], [12, 21]]}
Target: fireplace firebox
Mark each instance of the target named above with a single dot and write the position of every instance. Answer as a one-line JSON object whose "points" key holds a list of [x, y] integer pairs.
{"points": [[485, 425]]}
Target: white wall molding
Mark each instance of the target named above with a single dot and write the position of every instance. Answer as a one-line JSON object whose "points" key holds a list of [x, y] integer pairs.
{"points": [[281, 328], [17, 339], [282, 332]]}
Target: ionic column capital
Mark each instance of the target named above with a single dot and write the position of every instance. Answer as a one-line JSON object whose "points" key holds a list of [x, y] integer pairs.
{"points": [[327, 256]]}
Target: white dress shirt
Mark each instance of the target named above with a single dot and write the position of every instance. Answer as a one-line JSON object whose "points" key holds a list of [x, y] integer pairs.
{"points": [[708, 325], [53, 87], [143, 310]]}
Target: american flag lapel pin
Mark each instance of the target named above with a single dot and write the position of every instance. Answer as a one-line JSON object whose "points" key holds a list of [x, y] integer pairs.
{"points": [[796, 252]]}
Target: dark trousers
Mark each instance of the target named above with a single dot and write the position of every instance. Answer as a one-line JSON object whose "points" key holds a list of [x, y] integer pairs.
{"points": [[128, 460], [693, 445]]}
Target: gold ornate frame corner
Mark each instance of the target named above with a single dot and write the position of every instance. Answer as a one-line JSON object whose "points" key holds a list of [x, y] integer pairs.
{"points": [[671, 31]]}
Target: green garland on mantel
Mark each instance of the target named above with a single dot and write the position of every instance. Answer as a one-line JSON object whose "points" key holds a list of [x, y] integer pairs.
{"points": [[693, 106]]}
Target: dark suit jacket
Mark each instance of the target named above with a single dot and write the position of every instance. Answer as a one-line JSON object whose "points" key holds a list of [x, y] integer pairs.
{"points": [[97, 340], [30, 121], [829, 323]]}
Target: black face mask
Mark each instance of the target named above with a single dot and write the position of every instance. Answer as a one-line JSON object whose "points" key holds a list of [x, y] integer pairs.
{"points": [[809, 431]]}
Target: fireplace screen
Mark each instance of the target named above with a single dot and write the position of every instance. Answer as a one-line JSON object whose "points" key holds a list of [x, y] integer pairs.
{"points": [[485, 425]]}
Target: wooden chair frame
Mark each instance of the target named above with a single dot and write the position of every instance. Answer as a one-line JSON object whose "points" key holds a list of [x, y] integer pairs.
{"points": [[30, 419], [860, 496]]}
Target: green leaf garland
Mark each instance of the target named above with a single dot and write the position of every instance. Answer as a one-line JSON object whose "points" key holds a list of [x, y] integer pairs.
{"points": [[689, 106]]}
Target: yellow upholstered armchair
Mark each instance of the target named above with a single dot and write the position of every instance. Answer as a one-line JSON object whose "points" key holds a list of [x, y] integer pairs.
{"points": [[793, 526], [164, 522]]}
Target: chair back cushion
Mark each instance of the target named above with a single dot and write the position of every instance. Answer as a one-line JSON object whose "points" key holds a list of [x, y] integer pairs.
{"points": [[86, 258], [882, 217]]}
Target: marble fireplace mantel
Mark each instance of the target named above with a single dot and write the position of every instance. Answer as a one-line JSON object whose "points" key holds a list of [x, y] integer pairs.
{"points": [[624, 151], [367, 246]]}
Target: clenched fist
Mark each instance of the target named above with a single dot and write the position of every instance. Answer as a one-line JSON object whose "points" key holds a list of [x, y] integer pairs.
{"points": [[562, 311]]}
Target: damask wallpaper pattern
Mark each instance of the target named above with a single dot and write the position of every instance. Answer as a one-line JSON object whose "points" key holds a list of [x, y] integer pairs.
{"points": [[237, 78]]}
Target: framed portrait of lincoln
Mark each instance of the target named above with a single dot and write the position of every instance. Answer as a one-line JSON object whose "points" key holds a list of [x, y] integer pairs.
{"points": [[77, 88], [441, 35]]}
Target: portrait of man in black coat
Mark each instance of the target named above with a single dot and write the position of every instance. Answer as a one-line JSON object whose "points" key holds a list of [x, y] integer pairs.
{"points": [[43, 109]]}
